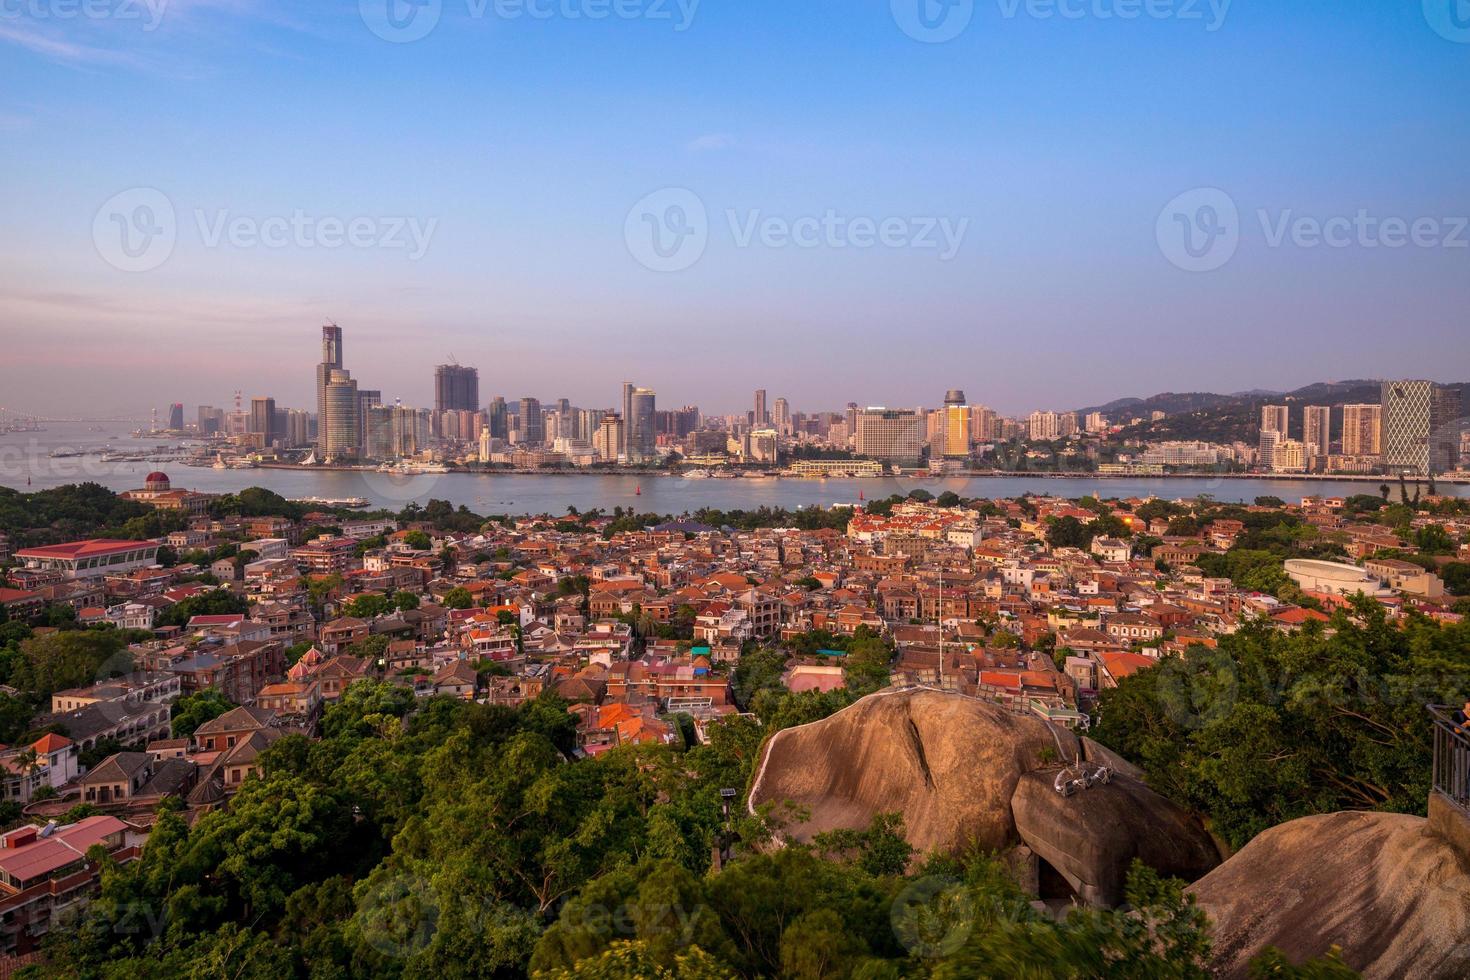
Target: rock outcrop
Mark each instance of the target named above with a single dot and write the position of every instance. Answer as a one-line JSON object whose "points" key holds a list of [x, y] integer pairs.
{"points": [[1394, 895], [963, 772], [1092, 837]]}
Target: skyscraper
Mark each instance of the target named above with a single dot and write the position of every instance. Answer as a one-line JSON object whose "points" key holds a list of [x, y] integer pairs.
{"points": [[176, 416], [1317, 429], [533, 426], [781, 417], [331, 361], [263, 419], [1420, 427], [639, 431], [1362, 430], [761, 419], [499, 427], [956, 427], [1276, 418], [340, 427], [627, 415], [456, 388]]}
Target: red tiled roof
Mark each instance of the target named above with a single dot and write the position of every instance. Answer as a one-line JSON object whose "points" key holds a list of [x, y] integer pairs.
{"points": [[83, 549]]}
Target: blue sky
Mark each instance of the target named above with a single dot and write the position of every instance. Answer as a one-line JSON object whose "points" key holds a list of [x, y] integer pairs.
{"points": [[518, 146]]}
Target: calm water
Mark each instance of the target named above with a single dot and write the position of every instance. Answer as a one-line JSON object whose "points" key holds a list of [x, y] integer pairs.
{"points": [[26, 456]]}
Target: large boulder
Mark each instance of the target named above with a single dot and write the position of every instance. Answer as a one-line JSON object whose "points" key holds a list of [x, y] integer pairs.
{"points": [[1092, 837], [952, 766], [1394, 895], [947, 763]]}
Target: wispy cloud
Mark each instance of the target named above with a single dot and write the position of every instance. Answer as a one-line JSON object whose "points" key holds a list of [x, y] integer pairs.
{"points": [[59, 50], [710, 142]]}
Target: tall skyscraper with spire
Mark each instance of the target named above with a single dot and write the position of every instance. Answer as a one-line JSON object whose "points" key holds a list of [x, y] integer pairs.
{"points": [[331, 361]]}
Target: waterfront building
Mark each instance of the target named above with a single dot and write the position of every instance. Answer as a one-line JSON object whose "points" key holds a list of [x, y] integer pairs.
{"points": [[893, 435], [1420, 427], [331, 361], [955, 441], [340, 429], [1362, 430]]}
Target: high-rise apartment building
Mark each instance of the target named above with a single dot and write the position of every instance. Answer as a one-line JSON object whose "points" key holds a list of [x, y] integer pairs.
{"points": [[1362, 430], [760, 419], [984, 423], [533, 424], [1276, 418], [609, 436], [628, 387], [1421, 431], [781, 416], [1270, 439], [892, 435], [1095, 422], [1290, 456], [456, 388], [956, 428], [1044, 426], [1317, 429]]}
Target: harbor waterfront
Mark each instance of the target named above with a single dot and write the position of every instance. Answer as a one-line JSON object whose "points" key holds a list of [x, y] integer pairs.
{"points": [[26, 463]]}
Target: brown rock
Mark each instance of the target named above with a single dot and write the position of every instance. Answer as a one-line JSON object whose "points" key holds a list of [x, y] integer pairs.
{"points": [[1393, 894], [952, 767], [1092, 837], [947, 763]]}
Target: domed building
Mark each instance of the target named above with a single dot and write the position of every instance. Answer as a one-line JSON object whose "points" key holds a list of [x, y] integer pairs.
{"points": [[158, 492]]}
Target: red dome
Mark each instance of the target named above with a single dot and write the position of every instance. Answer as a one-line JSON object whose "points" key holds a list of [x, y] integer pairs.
{"points": [[157, 480]]}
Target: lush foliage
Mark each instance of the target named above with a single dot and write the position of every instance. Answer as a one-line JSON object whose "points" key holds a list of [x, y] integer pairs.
{"points": [[1272, 726]]}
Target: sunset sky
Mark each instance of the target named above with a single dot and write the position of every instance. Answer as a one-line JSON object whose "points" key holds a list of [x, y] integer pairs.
{"points": [[521, 145]]}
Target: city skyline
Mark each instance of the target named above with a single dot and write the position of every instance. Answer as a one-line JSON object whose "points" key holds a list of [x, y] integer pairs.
{"points": [[601, 396]]}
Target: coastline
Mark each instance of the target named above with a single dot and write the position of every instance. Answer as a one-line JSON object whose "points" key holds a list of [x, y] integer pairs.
{"points": [[906, 475]]}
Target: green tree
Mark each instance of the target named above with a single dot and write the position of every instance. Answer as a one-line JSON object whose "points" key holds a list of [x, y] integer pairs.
{"points": [[193, 710]]}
